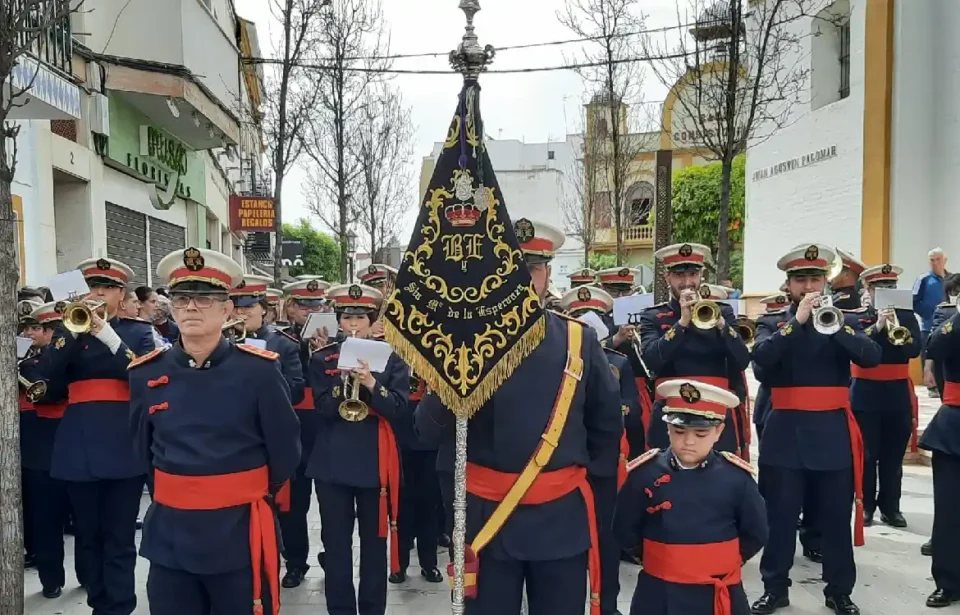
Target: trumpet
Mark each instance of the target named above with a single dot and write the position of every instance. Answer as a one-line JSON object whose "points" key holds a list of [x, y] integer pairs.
{"points": [[705, 314], [747, 329], [235, 330], [827, 319], [78, 315], [33, 391], [897, 333], [352, 409]]}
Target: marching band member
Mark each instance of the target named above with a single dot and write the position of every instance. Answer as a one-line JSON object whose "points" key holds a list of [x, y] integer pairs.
{"points": [[883, 399], [546, 539], [691, 514], [618, 281], [582, 277], [844, 286], [210, 533], [775, 309], [92, 449], [355, 459], [810, 438], [675, 346], [381, 278], [45, 503], [274, 302], [306, 297], [250, 304], [575, 303]]}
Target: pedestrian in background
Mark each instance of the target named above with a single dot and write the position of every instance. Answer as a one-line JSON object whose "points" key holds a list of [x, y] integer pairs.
{"points": [[927, 294]]}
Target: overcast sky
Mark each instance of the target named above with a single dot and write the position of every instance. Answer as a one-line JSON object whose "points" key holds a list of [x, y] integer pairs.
{"points": [[532, 107]]}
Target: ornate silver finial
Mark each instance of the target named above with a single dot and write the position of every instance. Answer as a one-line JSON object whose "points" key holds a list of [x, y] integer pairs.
{"points": [[469, 59]]}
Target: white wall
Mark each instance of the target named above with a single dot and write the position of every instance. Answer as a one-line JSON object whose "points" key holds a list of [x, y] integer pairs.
{"points": [[125, 191], [818, 203]]}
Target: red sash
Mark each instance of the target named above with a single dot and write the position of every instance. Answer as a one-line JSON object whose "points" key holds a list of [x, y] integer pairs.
{"points": [[889, 372], [388, 457], [307, 402], [950, 396], [100, 389], [225, 491], [716, 564], [824, 399]]}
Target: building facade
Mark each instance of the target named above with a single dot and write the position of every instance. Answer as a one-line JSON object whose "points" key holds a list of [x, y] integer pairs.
{"points": [[144, 140]]}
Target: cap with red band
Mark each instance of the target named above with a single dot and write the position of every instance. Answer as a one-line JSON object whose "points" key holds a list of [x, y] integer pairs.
{"points": [[274, 296], [690, 403], [251, 290], [774, 302], [713, 292], [48, 312], [586, 298], [618, 276], [307, 288], [355, 298], [807, 259], [849, 262], [207, 270], [881, 273], [377, 273], [105, 272], [581, 277], [683, 256], [538, 240]]}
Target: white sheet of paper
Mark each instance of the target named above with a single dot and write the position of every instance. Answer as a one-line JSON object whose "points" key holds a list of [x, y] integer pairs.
{"points": [[592, 319], [626, 310], [733, 303], [900, 298], [375, 353], [68, 285], [252, 341], [23, 346], [317, 321]]}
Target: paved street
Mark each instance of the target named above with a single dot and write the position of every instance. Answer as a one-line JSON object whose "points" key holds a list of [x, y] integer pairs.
{"points": [[894, 579]]}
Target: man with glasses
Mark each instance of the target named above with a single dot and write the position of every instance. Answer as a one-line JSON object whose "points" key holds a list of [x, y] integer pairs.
{"points": [[214, 423]]}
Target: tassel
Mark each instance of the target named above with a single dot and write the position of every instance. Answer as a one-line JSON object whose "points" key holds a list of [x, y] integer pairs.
{"points": [[283, 497], [915, 409], [622, 465], [394, 548]]}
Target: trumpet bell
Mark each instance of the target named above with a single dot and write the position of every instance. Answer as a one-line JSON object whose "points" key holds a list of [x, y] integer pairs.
{"points": [[896, 333], [836, 266], [747, 329], [36, 391], [353, 410], [705, 314], [78, 316]]}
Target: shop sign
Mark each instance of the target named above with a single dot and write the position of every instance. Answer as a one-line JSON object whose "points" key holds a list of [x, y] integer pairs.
{"points": [[252, 214], [793, 164]]}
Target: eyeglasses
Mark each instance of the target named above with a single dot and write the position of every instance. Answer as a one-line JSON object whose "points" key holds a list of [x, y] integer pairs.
{"points": [[202, 302]]}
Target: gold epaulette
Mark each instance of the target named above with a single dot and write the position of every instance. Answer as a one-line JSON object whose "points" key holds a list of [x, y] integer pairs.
{"points": [[260, 352], [740, 463], [150, 356], [612, 351], [633, 464]]}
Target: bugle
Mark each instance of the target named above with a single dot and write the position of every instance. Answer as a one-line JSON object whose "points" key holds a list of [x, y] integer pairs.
{"points": [[351, 408], [235, 330], [78, 315], [33, 391], [705, 314], [747, 328], [826, 318], [897, 333]]}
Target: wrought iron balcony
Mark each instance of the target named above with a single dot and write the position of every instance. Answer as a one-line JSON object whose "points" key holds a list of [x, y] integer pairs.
{"points": [[54, 44], [633, 236]]}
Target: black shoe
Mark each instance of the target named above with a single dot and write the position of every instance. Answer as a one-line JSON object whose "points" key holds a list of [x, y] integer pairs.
{"points": [[894, 520], [397, 577], [941, 598], [927, 549], [769, 602], [54, 592], [139, 524], [814, 555], [867, 519], [842, 605], [432, 575], [293, 578], [443, 541], [322, 559]]}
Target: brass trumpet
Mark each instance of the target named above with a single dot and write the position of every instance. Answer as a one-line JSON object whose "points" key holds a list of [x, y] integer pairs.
{"points": [[827, 319], [78, 315], [747, 329], [352, 409], [705, 314], [33, 391], [235, 330], [897, 333]]}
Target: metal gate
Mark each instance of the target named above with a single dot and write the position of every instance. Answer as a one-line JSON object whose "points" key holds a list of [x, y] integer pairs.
{"points": [[164, 239], [140, 241]]}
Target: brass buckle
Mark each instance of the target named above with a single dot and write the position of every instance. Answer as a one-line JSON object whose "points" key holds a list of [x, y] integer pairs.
{"points": [[574, 367]]}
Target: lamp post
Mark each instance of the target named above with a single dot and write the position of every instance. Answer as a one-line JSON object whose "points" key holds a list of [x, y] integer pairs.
{"points": [[351, 251]]}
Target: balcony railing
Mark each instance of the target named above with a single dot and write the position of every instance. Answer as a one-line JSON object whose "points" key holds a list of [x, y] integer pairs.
{"points": [[53, 45], [631, 234]]}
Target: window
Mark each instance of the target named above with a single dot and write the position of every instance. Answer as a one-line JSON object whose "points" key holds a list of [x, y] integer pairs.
{"points": [[845, 60], [640, 199], [551, 155]]}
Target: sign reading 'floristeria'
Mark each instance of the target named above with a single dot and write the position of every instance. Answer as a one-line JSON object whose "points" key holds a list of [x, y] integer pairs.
{"points": [[252, 213]]}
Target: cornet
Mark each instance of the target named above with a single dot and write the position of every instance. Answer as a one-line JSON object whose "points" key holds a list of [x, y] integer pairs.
{"points": [[827, 319], [747, 329], [352, 409], [896, 333], [235, 330], [705, 314], [33, 391], [78, 315]]}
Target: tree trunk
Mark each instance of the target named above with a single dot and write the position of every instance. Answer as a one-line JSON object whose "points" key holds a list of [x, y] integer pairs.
{"points": [[723, 233], [279, 161], [277, 231], [11, 511]]}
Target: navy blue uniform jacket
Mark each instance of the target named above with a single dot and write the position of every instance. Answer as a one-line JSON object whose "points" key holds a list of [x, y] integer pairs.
{"points": [[37, 433], [93, 442], [889, 395], [761, 406], [504, 433], [943, 432], [289, 350], [795, 355], [232, 414], [943, 312]]}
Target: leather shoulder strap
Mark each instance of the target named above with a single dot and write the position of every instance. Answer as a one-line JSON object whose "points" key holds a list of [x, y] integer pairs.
{"points": [[572, 373]]}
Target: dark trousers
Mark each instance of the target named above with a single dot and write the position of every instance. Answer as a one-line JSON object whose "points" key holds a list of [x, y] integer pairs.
{"points": [[445, 480], [176, 592], [784, 490], [885, 437], [605, 498], [105, 516], [341, 506], [293, 524], [810, 538], [554, 587], [45, 513], [419, 504], [945, 539]]}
